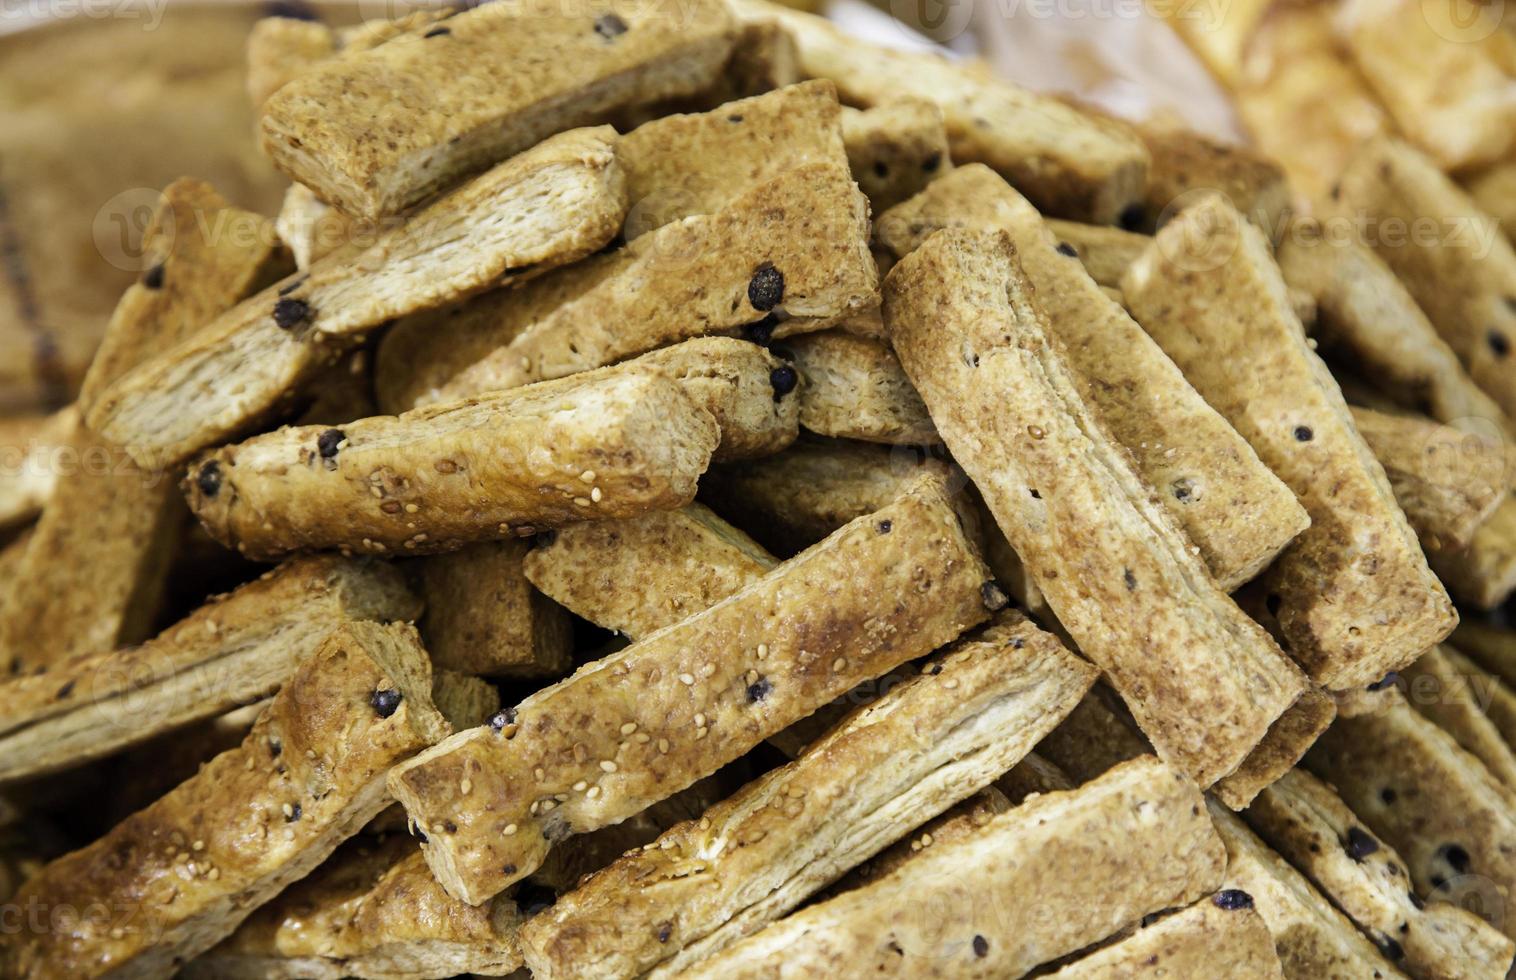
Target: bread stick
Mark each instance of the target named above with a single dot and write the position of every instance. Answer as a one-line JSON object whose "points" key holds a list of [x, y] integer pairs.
{"points": [[1491, 695], [183, 873], [1114, 567], [1491, 646], [1219, 36], [1446, 688], [641, 724], [350, 128], [1186, 163], [281, 48], [1483, 574], [1494, 192], [751, 859], [1288, 738], [443, 476], [1217, 936], [896, 148], [1104, 251], [233, 650], [555, 203], [983, 923], [639, 575], [794, 247], [1207, 476], [854, 389], [484, 617], [1356, 598], [1071, 164]]}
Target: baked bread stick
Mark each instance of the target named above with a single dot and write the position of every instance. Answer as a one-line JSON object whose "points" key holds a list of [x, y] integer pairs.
{"points": [[281, 48], [183, 873], [1232, 507], [1494, 192], [350, 128], [1487, 692], [1071, 164], [854, 389], [1455, 694], [1483, 574], [233, 650], [1356, 599], [1288, 738], [643, 723], [895, 149], [440, 477], [1217, 936], [557, 202], [1104, 251], [705, 885], [996, 909], [1113, 565], [1491, 646], [1185, 164]]}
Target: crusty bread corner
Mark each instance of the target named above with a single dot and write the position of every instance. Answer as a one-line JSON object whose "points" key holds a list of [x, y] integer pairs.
{"points": [[182, 874], [1288, 739], [896, 148]]}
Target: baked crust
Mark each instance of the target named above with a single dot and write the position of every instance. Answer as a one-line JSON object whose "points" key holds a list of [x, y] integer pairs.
{"points": [[1356, 598], [1207, 476], [235, 649], [1202, 940], [707, 884], [439, 477], [1113, 565], [1072, 164], [555, 203], [1288, 738], [1184, 164], [1483, 574], [1105, 252], [1455, 694], [1494, 699], [895, 149], [855, 389], [493, 82], [183, 873], [1143, 825], [797, 244], [639, 725], [281, 48]]}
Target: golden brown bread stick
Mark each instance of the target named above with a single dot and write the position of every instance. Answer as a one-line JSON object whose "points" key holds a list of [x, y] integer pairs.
{"points": [[1115, 568], [1186, 164], [854, 389], [1105, 251], [1217, 936], [637, 726], [1356, 598], [1455, 694], [896, 148], [1483, 574], [439, 477]]}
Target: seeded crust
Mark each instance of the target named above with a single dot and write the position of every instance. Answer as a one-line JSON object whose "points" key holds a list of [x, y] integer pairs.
{"points": [[1463, 279], [1213, 485], [1453, 693], [1143, 825], [1483, 574], [751, 859], [796, 638], [282, 48], [639, 575], [958, 822], [29, 444], [173, 899], [855, 389], [702, 275], [490, 90], [1072, 164], [1356, 597], [1301, 818], [1114, 567], [1311, 937], [1447, 482], [1368, 319], [372, 911], [1186, 164], [443, 476], [1289, 737], [553, 204], [484, 617], [1494, 192], [1202, 940], [1444, 813], [895, 149], [235, 649]]}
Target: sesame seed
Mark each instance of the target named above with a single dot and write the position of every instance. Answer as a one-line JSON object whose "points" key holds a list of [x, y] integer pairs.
{"points": [[199, 845], [581, 786], [699, 720], [548, 805], [561, 797], [752, 677], [538, 774], [411, 508], [581, 501], [839, 663], [926, 840], [707, 670], [607, 765], [213, 874], [510, 829], [643, 738], [466, 787], [588, 476], [763, 650], [289, 812], [686, 678], [663, 745], [595, 495], [593, 793], [628, 728], [701, 732]]}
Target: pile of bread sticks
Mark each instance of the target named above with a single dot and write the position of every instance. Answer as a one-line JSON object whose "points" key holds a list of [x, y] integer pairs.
{"points": [[693, 494]]}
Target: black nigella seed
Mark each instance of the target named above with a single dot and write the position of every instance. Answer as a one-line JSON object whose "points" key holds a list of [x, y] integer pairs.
{"points": [[275, 747], [209, 478], [766, 289], [1232, 899], [1415, 900], [1387, 795], [1183, 488], [761, 332], [288, 288], [784, 379], [328, 441], [885, 527], [1129, 579], [293, 815], [665, 930], [1386, 681], [153, 278], [422, 834], [932, 162], [509, 869], [385, 702], [65, 691], [981, 947], [1498, 343], [503, 718], [290, 313], [758, 690], [1131, 216], [1359, 844], [438, 32], [994, 596], [1303, 433], [610, 26], [881, 169], [735, 117], [1066, 249], [1456, 857], [449, 827], [1036, 494], [1390, 948]]}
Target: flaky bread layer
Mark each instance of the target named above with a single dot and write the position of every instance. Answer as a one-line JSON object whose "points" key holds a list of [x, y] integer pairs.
{"points": [[439, 477], [1356, 598], [182, 874], [233, 650], [1114, 567], [1143, 824], [707, 884], [1205, 939], [641, 724], [553, 204], [855, 389]]}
